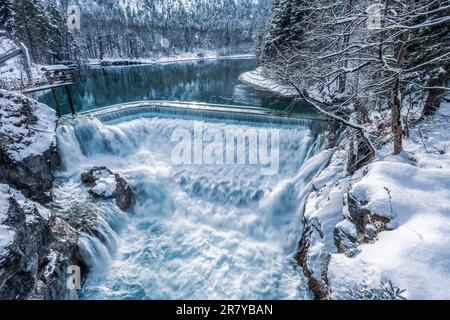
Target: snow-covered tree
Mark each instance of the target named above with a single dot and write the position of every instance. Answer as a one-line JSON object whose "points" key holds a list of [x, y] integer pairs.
{"points": [[6, 16], [362, 55]]}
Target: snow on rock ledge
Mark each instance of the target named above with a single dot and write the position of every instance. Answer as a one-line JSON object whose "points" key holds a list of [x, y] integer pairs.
{"points": [[415, 255], [35, 250], [27, 145], [323, 210], [106, 185], [386, 227]]}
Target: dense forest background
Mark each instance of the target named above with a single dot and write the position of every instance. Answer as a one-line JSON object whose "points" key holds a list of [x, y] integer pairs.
{"points": [[370, 64], [133, 28]]}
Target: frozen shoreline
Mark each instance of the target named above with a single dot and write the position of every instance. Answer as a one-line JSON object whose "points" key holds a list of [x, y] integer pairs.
{"points": [[163, 60], [256, 79]]}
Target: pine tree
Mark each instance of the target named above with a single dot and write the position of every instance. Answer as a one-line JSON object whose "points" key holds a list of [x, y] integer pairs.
{"points": [[27, 29], [278, 28], [58, 35], [7, 16], [428, 48]]}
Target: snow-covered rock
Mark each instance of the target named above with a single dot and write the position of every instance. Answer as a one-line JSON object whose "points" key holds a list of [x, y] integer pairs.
{"points": [[36, 246], [387, 227], [36, 249], [6, 233], [323, 210], [415, 254], [27, 145], [106, 185]]}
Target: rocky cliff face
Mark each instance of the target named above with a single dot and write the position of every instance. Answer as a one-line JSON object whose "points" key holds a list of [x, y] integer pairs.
{"points": [[334, 222], [36, 247], [41, 236], [37, 250], [323, 210], [28, 152]]}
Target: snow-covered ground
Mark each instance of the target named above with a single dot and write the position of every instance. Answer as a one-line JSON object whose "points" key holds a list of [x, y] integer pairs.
{"points": [[27, 127], [175, 58], [411, 190], [259, 81]]}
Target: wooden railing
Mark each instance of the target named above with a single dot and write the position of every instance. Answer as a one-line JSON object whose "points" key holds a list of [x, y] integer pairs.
{"points": [[20, 85]]}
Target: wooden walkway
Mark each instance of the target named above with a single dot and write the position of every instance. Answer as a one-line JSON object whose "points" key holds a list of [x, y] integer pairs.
{"points": [[56, 76], [43, 87]]}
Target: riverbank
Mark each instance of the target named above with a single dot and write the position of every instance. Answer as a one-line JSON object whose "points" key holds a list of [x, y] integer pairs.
{"points": [[168, 59], [258, 80], [377, 234], [382, 232]]}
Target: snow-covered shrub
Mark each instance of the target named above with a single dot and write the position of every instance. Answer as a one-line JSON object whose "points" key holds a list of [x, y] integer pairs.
{"points": [[386, 291]]}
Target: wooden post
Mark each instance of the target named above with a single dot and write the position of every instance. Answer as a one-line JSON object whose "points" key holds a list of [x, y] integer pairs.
{"points": [[69, 98], [55, 100]]}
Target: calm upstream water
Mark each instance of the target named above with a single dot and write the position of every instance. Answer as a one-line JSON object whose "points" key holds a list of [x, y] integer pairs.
{"points": [[213, 81], [196, 231]]}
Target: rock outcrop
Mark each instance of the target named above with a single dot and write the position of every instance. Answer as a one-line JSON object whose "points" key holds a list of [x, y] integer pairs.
{"points": [[360, 226], [36, 252], [337, 220], [36, 247], [28, 152], [322, 211], [317, 281], [104, 184]]}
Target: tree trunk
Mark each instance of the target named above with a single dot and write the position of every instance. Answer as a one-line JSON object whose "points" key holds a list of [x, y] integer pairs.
{"points": [[395, 95], [343, 76], [436, 95], [396, 117]]}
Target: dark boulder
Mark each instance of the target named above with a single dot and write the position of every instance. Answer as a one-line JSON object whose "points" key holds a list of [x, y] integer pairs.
{"points": [[106, 185], [34, 265]]}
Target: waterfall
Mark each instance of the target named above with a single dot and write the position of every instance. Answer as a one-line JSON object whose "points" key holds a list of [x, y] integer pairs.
{"points": [[197, 231]]}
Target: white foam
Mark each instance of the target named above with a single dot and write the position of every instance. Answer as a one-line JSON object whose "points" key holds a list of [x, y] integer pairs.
{"points": [[197, 231]]}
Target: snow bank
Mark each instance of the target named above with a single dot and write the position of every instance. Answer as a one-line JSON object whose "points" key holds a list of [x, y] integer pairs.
{"points": [[27, 127], [259, 81], [209, 55], [413, 191]]}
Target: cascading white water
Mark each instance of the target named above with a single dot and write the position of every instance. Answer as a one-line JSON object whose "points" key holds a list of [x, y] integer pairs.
{"points": [[197, 231]]}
